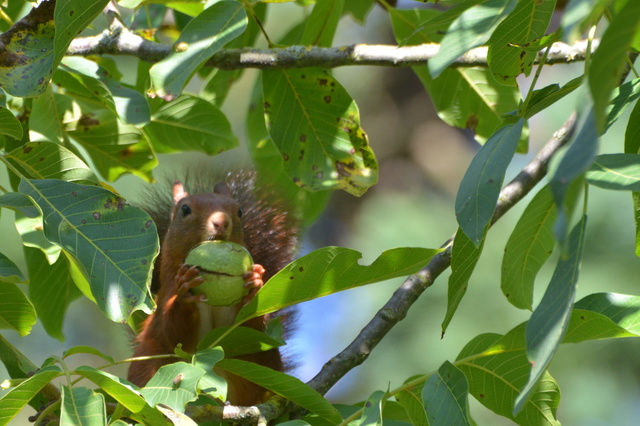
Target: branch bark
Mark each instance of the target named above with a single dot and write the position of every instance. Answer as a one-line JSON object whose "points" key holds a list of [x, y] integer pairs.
{"points": [[119, 40]]}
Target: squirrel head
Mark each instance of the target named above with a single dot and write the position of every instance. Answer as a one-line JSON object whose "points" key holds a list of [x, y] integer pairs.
{"points": [[203, 217]]}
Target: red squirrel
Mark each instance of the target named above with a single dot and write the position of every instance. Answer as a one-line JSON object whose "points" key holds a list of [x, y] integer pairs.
{"points": [[232, 213]]}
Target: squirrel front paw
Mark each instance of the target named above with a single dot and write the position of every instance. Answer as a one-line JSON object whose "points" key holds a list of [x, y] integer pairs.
{"points": [[188, 277], [253, 281]]}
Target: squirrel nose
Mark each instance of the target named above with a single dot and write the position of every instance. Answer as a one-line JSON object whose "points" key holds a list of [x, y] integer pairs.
{"points": [[220, 224]]}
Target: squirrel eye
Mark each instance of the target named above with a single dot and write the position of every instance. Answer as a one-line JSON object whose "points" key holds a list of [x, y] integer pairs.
{"points": [[186, 210], [239, 212]]}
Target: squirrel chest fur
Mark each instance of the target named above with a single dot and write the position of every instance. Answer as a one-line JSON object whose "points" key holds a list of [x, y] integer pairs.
{"points": [[231, 212]]}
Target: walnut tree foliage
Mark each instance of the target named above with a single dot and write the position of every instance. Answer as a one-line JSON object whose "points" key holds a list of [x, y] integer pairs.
{"points": [[74, 117]]}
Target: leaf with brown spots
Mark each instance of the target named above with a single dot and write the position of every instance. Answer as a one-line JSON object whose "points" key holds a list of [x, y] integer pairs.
{"points": [[311, 112], [114, 147], [112, 244], [48, 160], [34, 46], [528, 21]]}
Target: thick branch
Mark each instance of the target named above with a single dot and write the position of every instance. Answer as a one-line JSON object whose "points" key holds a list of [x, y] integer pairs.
{"points": [[398, 305], [118, 40]]}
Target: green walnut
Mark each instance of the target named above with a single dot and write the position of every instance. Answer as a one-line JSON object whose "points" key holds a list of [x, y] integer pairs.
{"points": [[222, 265]]}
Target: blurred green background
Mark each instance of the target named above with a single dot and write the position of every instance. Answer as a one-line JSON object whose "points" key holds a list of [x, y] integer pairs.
{"points": [[421, 164]]}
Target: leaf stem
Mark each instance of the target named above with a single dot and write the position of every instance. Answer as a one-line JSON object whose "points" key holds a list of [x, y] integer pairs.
{"points": [[537, 75]]}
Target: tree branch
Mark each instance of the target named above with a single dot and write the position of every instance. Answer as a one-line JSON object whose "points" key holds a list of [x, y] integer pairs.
{"points": [[119, 40], [398, 305]]}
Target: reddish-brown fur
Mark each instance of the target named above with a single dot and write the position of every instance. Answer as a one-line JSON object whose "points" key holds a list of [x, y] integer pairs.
{"points": [[177, 317]]}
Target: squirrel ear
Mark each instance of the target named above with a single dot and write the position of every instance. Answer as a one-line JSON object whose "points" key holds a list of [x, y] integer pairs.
{"points": [[223, 189], [178, 192]]}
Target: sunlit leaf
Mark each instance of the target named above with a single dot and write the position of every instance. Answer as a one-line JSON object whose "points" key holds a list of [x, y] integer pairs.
{"points": [[17, 398], [201, 38], [312, 119], [113, 243], [471, 29], [330, 270], [123, 392], [615, 171], [173, 385], [284, 385], [528, 21], [189, 124], [82, 406]]}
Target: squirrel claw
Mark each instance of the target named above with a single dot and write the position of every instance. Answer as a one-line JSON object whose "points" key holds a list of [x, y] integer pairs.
{"points": [[254, 281], [188, 277]]}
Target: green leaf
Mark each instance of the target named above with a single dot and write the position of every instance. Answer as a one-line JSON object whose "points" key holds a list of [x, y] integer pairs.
{"points": [[123, 392], [114, 148], [612, 315], [17, 398], [173, 385], [201, 38], [114, 244], [615, 171], [211, 383], [322, 23], [496, 367], [82, 406], [547, 96], [469, 98], [48, 160], [88, 350], [528, 21], [189, 124], [71, 17], [529, 246], [330, 270], [411, 400], [49, 112], [9, 124], [17, 365], [19, 203], [372, 410], [445, 397], [284, 385], [9, 272], [240, 341], [16, 311], [28, 53], [632, 146], [312, 118], [50, 301], [31, 231], [86, 80], [471, 29], [359, 9], [480, 187], [269, 165], [550, 320], [623, 96], [464, 256], [574, 161], [610, 59]]}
